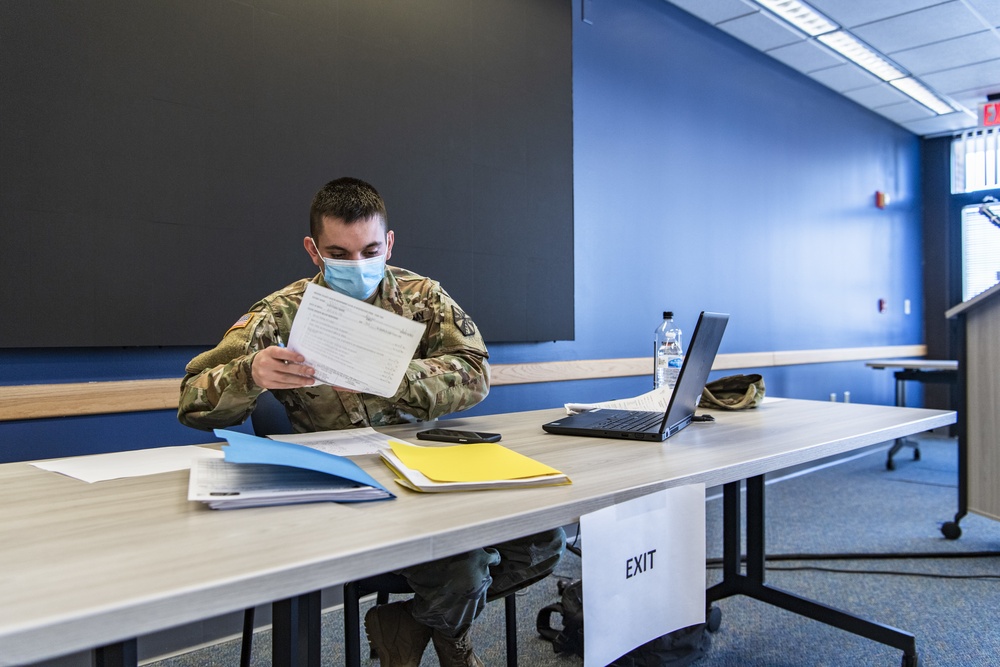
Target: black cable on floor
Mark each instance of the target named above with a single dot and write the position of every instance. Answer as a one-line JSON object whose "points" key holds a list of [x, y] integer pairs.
{"points": [[573, 547], [897, 573], [716, 563], [713, 562]]}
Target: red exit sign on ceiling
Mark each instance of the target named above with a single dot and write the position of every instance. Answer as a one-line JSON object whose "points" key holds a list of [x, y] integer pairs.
{"points": [[989, 113]]}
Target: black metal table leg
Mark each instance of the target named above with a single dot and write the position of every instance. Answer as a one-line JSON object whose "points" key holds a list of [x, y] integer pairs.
{"points": [[296, 631], [752, 583], [732, 549], [122, 654]]}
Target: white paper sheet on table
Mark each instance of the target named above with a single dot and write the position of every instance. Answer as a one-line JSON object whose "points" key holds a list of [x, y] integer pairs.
{"points": [[346, 442], [135, 463], [353, 344], [653, 401], [643, 571]]}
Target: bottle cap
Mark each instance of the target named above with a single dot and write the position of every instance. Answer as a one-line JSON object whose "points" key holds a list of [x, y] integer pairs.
{"points": [[668, 315]]}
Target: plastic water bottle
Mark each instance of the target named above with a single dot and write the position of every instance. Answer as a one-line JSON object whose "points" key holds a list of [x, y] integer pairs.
{"points": [[667, 351]]}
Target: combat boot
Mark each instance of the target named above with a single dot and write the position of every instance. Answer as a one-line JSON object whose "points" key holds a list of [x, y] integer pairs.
{"points": [[398, 639], [455, 651]]}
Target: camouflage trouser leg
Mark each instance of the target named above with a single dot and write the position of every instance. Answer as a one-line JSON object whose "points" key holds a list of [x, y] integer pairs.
{"points": [[451, 592]]}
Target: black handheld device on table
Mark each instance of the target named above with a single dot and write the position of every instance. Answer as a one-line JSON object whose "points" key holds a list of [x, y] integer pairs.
{"points": [[452, 435]]}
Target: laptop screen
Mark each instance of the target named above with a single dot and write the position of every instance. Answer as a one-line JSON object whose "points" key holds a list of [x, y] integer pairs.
{"points": [[695, 369]]}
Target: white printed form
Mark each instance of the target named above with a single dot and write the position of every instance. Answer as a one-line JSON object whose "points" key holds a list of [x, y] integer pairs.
{"points": [[353, 344]]}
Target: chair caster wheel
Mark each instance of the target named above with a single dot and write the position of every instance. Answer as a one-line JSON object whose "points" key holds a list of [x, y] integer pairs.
{"points": [[951, 530], [713, 619], [890, 465]]}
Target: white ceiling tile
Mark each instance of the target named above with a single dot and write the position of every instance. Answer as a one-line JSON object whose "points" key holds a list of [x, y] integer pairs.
{"points": [[761, 31], [988, 9], [714, 11], [929, 128], [806, 56], [932, 24], [845, 77], [905, 112], [952, 122], [876, 96], [951, 53], [851, 13], [981, 76]]}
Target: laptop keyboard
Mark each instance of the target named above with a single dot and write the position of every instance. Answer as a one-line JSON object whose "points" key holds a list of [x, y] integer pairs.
{"points": [[634, 421]]}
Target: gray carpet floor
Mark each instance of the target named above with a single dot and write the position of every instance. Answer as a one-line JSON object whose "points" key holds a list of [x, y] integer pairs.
{"points": [[951, 604], [860, 507]]}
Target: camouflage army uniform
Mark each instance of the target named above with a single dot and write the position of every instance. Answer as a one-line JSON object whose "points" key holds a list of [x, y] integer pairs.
{"points": [[449, 373]]}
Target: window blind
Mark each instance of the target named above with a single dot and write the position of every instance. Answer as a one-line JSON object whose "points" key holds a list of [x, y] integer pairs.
{"points": [[980, 251], [974, 161]]}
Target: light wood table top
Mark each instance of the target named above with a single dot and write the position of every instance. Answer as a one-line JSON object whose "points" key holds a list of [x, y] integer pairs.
{"points": [[85, 565]]}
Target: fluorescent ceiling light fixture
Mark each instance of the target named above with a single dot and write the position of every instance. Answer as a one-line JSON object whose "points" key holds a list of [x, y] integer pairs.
{"points": [[802, 17], [848, 46], [920, 93], [825, 31]]}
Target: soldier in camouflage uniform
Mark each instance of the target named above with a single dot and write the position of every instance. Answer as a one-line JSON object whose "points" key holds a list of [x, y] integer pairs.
{"points": [[349, 242]]}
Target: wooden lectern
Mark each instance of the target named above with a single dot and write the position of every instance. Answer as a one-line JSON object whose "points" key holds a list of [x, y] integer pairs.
{"points": [[978, 419]]}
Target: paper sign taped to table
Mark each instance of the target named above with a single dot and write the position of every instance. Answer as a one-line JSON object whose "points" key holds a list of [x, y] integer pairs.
{"points": [[643, 571]]}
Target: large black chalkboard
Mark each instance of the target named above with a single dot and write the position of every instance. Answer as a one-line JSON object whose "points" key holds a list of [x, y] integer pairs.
{"points": [[158, 157]]}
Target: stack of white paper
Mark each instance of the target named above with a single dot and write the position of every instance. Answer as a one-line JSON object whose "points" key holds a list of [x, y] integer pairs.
{"points": [[257, 471], [224, 485]]}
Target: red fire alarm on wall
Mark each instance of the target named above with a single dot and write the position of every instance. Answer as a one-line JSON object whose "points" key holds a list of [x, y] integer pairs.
{"points": [[881, 199]]}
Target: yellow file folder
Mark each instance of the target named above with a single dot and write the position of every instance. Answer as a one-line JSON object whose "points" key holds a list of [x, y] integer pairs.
{"points": [[467, 467]]}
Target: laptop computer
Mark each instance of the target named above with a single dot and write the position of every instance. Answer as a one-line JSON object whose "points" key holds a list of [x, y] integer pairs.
{"points": [[656, 426]]}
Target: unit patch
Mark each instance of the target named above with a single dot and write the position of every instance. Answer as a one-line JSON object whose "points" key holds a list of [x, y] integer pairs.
{"points": [[463, 321]]}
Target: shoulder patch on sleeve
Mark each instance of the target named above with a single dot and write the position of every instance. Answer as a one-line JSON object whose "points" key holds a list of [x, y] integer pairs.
{"points": [[463, 322], [242, 322]]}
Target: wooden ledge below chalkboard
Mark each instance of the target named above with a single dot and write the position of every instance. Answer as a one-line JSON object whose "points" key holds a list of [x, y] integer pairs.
{"points": [[39, 401]]}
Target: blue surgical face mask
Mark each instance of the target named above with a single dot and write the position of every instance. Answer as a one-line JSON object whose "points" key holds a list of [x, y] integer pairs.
{"points": [[354, 278]]}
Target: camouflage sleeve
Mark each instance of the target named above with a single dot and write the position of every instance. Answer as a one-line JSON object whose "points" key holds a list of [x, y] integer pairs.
{"points": [[451, 372], [218, 389]]}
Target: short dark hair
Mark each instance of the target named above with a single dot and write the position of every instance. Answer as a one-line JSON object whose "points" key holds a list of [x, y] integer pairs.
{"points": [[349, 199]]}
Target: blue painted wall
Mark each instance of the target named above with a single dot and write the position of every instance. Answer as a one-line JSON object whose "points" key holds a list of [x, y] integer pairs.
{"points": [[707, 177], [711, 177]]}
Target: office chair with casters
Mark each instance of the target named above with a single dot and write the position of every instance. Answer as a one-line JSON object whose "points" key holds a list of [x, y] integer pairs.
{"points": [[391, 583]]}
